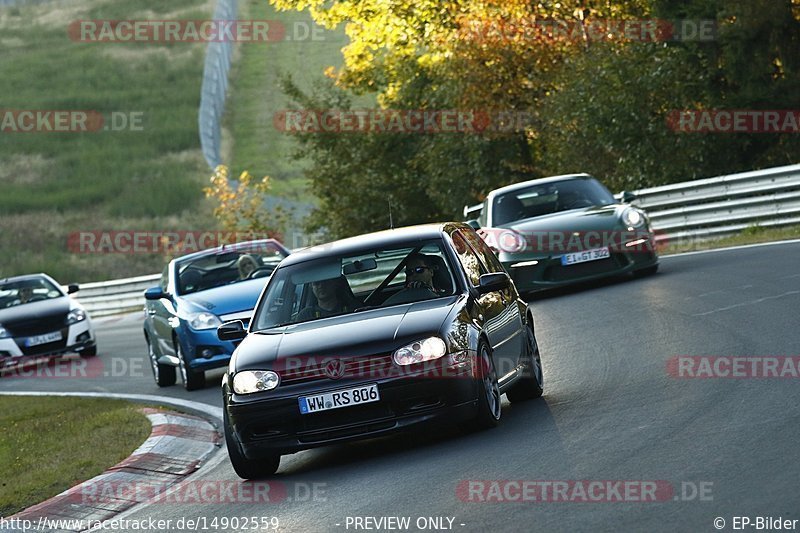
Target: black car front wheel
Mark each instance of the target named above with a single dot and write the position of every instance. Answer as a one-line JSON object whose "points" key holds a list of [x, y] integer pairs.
{"points": [[531, 384], [247, 468], [489, 409], [163, 374], [90, 351], [192, 380]]}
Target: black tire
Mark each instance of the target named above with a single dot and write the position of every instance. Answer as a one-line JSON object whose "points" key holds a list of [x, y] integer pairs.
{"points": [[531, 385], [247, 468], [91, 351], [164, 375], [489, 409], [192, 380], [649, 271]]}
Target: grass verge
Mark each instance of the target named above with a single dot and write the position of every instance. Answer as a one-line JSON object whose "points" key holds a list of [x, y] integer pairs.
{"points": [[751, 235], [255, 96], [141, 178], [51, 444]]}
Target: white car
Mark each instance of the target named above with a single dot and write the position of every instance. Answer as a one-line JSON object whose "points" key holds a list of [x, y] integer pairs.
{"points": [[38, 318]]}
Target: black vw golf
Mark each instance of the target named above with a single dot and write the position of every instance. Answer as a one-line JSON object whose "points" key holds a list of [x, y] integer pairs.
{"points": [[374, 334]]}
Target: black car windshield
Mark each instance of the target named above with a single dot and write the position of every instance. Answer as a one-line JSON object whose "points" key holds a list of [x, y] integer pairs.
{"points": [[238, 262], [538, 200], [337, 285], [27, 291]]}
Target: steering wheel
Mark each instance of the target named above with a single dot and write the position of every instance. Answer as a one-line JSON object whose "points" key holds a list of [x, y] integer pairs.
{"points": [[261, 272], [37, 298]]}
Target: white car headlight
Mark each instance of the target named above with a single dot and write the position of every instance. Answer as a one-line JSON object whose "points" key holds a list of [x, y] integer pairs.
{"points": [[204, 321], [75, 315], [250, 381], [420, 351], [4, 334], [633, 217]]}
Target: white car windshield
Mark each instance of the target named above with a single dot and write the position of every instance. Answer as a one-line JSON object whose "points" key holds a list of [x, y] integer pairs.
{"points": [[27, 291]]}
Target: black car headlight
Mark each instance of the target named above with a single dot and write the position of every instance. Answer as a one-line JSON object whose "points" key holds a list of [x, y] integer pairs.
{"points": [[633, 218], [74, 316], [420, 351], [250, 381]]}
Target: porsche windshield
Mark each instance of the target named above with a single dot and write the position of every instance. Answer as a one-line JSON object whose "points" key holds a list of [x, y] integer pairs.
{"points": [[547, 198], [337, 285]]}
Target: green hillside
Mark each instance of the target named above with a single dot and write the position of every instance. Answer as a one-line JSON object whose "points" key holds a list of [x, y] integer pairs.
{"points": [[53, 184]]}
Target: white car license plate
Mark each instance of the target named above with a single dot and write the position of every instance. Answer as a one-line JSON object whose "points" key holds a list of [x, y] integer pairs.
{"points": [[339, 398], [36, 340], [582, 257]]}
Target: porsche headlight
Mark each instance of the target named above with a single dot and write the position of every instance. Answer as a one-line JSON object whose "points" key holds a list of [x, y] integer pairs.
{"points": [[204, 321], [632, 217], [75, 315], [420, 351], [4, 333], [250, 381]]}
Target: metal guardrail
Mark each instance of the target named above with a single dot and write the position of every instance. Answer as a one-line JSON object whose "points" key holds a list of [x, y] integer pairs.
{"points": [[215, 87], [723, 206], [117, 296], [699, 209]]}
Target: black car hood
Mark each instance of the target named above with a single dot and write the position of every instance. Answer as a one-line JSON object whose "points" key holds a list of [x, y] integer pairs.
{"points": [[35, 310], [369, 332]]}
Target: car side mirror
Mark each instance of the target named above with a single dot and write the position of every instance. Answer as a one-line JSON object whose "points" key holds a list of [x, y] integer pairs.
{"points": [[474, 224], [498, 281], [154, 293], [627, 197], [231, 331], [72, 288]]}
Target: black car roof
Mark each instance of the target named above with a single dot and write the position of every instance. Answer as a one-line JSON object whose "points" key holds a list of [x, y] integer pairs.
{"points": [[352, 245]]}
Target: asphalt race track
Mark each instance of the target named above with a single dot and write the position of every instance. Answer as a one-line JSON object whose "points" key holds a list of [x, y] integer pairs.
{"points": [[614, 410]]}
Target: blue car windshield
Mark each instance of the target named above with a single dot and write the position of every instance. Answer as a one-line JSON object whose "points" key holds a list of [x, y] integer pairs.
{"points": [[337, 285], [547, 198], [234, 264]]}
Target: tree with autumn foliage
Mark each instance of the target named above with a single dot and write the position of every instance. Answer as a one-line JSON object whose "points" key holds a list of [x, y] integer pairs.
{"points": [[596, 102]]}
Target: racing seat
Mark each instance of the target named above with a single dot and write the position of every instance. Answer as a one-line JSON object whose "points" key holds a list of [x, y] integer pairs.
{"points": [[508, 209]]}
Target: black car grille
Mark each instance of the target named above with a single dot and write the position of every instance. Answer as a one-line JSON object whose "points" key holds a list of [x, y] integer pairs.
{"points": [[557, 272], [373, 366], [36, 326]]}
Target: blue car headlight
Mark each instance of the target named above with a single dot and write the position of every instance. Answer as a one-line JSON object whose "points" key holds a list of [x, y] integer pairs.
{"points": [[74, 316], [250, 381], [420, 351], [203, 320]]}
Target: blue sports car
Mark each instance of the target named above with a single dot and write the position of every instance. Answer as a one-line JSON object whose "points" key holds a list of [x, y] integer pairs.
{"points": [[197, 293]]}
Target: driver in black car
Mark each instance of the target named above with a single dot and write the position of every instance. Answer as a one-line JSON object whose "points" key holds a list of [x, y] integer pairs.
{"points": [[419, 281]]}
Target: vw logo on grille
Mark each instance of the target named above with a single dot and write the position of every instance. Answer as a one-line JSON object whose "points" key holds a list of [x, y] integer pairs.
{"points": [[334, 369]]}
